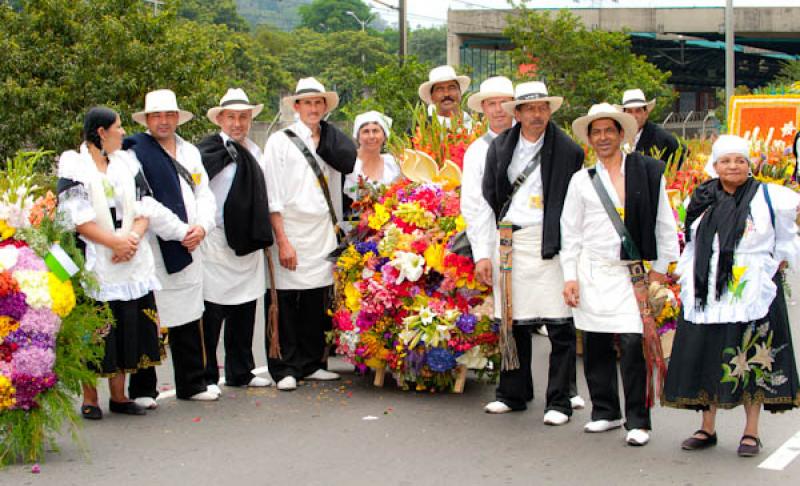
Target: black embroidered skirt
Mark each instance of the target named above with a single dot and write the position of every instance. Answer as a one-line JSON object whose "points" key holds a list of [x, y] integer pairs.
{"points": [[132, 342], [734, 363]]}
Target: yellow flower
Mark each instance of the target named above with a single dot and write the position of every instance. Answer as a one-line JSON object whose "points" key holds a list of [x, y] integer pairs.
{"points": [[6, 231], [461, 225], [7, 326], [379, 218], [434, 256], [197, 178], [7, 392], [62, 294], [348, 259], [352, 297]]}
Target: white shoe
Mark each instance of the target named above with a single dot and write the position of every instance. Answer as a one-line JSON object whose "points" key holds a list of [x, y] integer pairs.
{"points": [[215, 389], [205, 396], [287, 383], [637, 437], [323, 375], [260, 382], [602, 425], [554, 417], [577, 402], [146, 403], [496, 407]]}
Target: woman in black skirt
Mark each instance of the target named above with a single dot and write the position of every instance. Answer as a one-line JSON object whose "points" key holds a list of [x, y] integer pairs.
{"points": [[733, 344], [99, 195]]}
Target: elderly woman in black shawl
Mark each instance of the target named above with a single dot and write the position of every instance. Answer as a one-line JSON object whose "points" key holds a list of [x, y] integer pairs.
{"points": [[733, 345]]}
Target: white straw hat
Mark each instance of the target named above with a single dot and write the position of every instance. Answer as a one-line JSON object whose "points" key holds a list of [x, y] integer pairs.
{"points": [[580, 127], [634, 98], [311, 88], [494, 87], [724, 145], [161, 100], [532, 92], [235, 99], [441, 74]]}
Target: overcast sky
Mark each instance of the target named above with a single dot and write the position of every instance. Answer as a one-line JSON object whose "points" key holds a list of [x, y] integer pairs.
{"points": [[434, 12]]}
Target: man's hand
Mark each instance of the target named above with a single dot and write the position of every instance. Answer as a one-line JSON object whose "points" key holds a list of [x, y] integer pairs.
{"points": [[483, 271], [287, 255], [194, 237], [659, 277], [571, 294]]}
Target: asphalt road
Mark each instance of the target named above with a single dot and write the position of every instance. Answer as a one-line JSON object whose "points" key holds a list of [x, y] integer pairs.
{"points": [[350, 433]]}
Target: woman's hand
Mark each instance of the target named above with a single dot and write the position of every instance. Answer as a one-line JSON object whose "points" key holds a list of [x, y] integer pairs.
{"points": [[124, 248]]}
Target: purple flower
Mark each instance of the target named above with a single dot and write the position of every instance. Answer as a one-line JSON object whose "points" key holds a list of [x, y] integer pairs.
{"points": [[37, 339], [440, 360], [365, 320], [42, 321], [466, 322], [33, 361], [29, 387], [27, 259], [13, 305], [416, 360], [366, 247]]}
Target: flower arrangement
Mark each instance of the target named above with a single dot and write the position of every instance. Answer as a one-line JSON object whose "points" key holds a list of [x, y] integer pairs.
{"points": [[47, 326], [405, 301]]}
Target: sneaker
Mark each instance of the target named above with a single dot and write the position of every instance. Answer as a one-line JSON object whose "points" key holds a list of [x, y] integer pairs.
{"points": [[602, 425], [205, 396], [637, 437], [554, 417], [148, 403], [215, 389], [577, 403], [323, 375], [287, 383], [260, 382], [497, 407]]}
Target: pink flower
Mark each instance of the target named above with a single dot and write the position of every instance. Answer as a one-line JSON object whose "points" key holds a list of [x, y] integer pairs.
{"points": [[33, 361], [28, 260], [42, 321]]}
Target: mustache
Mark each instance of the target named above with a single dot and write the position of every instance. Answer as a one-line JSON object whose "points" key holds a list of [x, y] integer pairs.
{"points": [[449, 98]]}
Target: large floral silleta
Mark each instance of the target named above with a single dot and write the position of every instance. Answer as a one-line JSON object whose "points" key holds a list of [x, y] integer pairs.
{"points": [[405, 301]]}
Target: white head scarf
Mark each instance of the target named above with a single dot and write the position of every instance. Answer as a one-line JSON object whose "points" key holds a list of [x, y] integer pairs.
{"points": [[727, 144], [372, 117]]}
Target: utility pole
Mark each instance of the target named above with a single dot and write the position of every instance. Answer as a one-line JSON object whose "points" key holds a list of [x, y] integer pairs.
{"points": [[401, 25], [730, 63]]}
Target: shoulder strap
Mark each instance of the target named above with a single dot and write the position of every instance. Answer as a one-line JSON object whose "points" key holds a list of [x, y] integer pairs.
{"points": [[519, 181], [616, 220], [312, 161], [769, 204]]}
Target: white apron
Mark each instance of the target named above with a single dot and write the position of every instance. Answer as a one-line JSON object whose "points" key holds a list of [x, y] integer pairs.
{"points": [[536, 284], [606, 303], [313, 239], [230, 279]]}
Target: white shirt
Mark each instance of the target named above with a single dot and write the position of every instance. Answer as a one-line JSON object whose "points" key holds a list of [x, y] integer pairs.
{"points": [[230, 279], [294, 192], [586, 227], [391, 171], [636, 138], [527, 205], [756, 260], [477, 213], [446, 121]]}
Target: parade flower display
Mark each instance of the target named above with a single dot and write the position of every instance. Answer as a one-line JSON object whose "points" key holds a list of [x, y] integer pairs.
{"points": [[442, 143], [45, 335], [405, 301]]}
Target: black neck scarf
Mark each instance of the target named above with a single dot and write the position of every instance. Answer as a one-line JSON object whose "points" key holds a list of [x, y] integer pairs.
{"points": [[724, 215]]}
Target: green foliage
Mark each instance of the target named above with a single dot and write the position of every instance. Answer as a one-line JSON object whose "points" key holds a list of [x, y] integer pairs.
{"points": [[583, 66], [789, 74], [339, 60], [331, 15], [393, 91], [281, 14], [429, 44], [213, 12], [62, 57]]}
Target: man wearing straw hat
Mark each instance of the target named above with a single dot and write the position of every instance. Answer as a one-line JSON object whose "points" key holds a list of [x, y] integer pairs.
{"points": [[234, 275], [304, 163], [650, 138], [174, 170], [527, 172], [442, 94], [615, 214]]}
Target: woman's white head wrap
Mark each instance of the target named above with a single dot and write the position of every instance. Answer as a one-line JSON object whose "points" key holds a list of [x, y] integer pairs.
{"points": [[727, 144], [372, 117]]}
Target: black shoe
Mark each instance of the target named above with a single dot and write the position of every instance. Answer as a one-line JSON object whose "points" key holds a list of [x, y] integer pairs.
{"points": [[693, 443], [91, 412], [128, 408], [749, 450]]}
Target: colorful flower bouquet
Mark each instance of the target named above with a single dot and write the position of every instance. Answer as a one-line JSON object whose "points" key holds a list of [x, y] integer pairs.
{"points": [[405, 301], [45, 340]]}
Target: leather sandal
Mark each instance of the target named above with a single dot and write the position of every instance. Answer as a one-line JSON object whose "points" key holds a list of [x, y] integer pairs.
{"points": [[127, 408], [91, 412], [749, 450], [694, 443]]}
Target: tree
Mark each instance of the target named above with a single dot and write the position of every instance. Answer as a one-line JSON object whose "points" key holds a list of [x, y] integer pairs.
{"points": [[789, 74], [583, 66], [429, 44], [213, 12], [61, 57], [331, 15]]}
